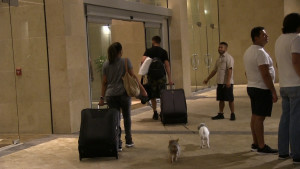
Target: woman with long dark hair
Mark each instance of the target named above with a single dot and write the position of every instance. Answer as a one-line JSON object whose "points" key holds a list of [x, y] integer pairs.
{"points": [[113, 88]]}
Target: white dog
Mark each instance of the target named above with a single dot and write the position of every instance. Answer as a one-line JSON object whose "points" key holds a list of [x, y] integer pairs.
{"points": [[204, 135]]}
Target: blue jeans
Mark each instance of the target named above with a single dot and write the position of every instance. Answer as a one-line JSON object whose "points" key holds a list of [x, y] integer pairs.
{"points": [[289, 126], [123, 103]]}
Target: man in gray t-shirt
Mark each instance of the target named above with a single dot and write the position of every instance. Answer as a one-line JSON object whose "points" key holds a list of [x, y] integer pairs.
{"points": [[224, 70]]}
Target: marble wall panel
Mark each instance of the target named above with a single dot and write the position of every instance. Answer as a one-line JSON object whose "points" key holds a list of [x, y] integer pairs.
{"points": [[237, 18], [34, 117], [8, 104], [30, 54]]}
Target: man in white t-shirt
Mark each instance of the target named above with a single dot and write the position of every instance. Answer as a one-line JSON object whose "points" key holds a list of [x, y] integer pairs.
{"points": [[287, 52], [224, 70], [260, 75]]}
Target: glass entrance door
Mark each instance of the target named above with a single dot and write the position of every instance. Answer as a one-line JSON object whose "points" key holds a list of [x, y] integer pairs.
{"points": [[99, 39], [204, 33], [152, 29]]}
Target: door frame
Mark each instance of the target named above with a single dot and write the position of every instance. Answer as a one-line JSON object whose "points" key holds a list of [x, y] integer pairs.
{"points": [[104, 11]]}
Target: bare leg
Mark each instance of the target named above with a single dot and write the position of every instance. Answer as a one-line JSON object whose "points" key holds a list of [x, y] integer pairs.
{"points": [[221, 106], [231, 106], [259, 130], [253, 130]]}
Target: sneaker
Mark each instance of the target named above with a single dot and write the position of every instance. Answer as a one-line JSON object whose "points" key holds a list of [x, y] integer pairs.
{"points": [[232, 117], [155, 115], [267, 150], [120, 149], [128, 145], [219, 116], [283, 157], [296, 161], [254, 147]]}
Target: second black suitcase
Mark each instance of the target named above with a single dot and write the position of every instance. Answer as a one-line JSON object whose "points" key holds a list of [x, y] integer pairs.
{"points": [[173, 106], [99, 132]]}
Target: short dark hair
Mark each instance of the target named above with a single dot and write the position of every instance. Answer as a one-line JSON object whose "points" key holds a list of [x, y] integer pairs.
{"points": [[291, 23], [255, 32], [113, 51], [224, 43], [156, 39]]}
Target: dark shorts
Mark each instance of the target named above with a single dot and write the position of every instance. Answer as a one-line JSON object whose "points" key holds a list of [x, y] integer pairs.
{"points": [[224, 93], [156, 87], [261, 101]]}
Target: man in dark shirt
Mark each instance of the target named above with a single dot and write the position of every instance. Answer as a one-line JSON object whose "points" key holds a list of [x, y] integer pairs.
{"points": [[157, 85]]}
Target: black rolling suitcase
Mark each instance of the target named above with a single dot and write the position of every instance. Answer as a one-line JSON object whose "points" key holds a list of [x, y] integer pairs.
{"points": [[173, 106], [99, 132]]}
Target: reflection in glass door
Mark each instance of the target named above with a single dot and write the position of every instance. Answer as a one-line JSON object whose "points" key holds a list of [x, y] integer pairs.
{"points": [[99, 39], [152, 29]]}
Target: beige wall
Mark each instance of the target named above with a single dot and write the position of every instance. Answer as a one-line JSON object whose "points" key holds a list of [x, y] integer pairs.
{"points": [[67, 45], [23, 45], [237, 18], [291, 6], [8, 105]]}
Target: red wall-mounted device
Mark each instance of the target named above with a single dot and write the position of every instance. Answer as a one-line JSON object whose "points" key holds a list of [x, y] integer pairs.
{"points": [[18, 71]]}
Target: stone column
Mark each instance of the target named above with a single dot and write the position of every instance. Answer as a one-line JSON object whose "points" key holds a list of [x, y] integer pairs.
{"points": [[179, 45], [69, 78]]}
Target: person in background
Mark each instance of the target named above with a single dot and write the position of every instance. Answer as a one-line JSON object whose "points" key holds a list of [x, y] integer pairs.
{"points": [[287, 52], [224, 70], [157, 84], [113, 90], [260, 74]]}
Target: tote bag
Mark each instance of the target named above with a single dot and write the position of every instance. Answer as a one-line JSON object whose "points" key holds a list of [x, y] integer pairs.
{"points": [[130, 84]]}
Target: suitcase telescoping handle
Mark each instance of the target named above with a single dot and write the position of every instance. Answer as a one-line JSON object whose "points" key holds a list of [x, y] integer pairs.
{"points": [[172, 86], [105, 104]]}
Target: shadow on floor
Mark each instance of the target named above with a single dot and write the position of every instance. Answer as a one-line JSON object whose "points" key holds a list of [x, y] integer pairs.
{"points": [[239, 160]]}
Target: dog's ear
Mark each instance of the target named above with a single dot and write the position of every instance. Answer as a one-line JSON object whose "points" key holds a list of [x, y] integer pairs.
{"points": [[177, 140]]}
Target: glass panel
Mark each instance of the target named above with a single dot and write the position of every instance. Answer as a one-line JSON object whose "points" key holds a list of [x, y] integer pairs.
{"points": [[204, 34], [99, 39], [150, 32], [161, 3]]}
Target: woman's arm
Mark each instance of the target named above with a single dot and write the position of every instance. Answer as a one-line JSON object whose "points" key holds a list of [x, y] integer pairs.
{"points": [[142, 89], [104, 86]]}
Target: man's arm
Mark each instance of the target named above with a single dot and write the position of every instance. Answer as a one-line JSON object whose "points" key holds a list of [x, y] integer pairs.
{"points": [[212, 74], [168, 69], [143, 59], [296, 62], [229, 74], [264, 71]]}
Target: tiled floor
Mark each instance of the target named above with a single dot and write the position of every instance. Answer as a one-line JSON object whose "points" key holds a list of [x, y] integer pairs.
{"points": [[230, 142]]}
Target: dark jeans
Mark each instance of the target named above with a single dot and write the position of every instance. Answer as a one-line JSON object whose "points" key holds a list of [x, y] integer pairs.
{"points": [[123, 103]]}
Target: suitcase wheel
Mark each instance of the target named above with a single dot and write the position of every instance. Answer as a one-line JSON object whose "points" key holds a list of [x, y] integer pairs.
{"points": [[80, 158], [117, 156]]}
